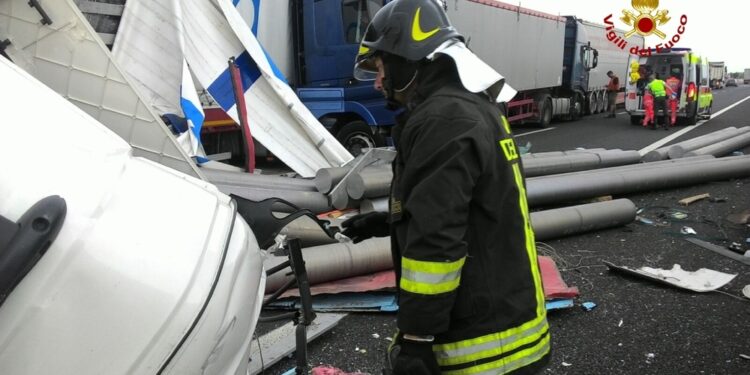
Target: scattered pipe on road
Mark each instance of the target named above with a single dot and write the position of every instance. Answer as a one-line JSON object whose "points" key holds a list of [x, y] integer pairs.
{"points": [[567, 221], [327, 178], [578, 161], [630, 179], [679, 150], [724, 147]]}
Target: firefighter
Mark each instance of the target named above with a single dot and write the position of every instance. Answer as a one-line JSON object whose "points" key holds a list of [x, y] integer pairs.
{"points": [[470, 290], [674, 83]]}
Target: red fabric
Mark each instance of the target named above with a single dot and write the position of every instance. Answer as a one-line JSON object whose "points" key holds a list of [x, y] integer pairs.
{"points": [[648, 106], [327, 370], [554, 285], [673, 110]]}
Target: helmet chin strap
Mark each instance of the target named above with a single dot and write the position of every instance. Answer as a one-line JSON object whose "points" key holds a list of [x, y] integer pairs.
{"points": [[388, 82]]}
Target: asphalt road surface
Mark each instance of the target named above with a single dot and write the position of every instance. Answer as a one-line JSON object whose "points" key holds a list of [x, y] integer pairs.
{"points": [[638, 327]]}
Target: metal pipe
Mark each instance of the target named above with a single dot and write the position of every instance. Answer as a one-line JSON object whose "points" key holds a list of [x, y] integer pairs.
{"points": [[567, 221], [327, 178], [537, 155], [577, 162], [370, 183], [337, 261], [307, 231], [259, 180], [644, 177], [724, 147], [374, 205], [680, 149], [311, 200]]}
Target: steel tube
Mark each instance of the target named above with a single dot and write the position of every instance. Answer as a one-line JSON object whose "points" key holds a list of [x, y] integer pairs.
{"points": [[307, 231], [644, 177], [374, 205], [680, 149], [327, 178], [258, 180], [337, 261], [567, 221], [370, 183], [577, 162], [724, 147]]}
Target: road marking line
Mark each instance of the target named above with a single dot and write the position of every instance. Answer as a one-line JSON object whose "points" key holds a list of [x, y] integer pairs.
{"points": [[533, 132], [672, 136]]}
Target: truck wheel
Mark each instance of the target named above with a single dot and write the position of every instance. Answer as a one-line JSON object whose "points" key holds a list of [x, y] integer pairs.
{"points": [[636, 120], [576, 107], [591, 103], [603, 101], [357, 135], [545, 113]]}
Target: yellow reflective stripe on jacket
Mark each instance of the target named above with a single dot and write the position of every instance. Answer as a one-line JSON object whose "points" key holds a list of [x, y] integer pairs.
{"points": [[491, 345], [510, 363], [530, 242], [423, 277]]}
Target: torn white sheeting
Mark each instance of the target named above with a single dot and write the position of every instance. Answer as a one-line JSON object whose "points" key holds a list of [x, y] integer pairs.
{"points": [[746, 291], [70, 58], [210, 32], [702, 280]]}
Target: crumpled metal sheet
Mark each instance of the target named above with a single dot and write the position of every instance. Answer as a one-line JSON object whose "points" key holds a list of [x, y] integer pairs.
{"points": [[702, 280]]}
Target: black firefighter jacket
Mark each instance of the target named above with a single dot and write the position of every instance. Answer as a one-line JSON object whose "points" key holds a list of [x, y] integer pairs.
{"points": [[462, 242]]}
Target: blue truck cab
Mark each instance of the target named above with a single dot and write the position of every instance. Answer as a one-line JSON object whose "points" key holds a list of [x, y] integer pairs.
{"points": [[326, 39]]}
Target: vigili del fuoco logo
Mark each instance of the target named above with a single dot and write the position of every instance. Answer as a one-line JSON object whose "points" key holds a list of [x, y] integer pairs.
{"points": [[646, 19]]}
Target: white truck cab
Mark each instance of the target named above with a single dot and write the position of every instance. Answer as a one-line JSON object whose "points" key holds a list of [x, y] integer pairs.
{"points": [[695, 96], [152, 271]]}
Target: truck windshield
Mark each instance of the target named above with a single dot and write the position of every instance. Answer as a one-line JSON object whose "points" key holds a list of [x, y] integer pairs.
{"points": [[356, 16]]}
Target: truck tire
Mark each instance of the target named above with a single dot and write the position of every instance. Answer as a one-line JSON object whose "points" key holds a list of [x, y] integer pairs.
{"points": [[636, 120], [591, 103], [545, 112], [603, 101], [577, 106], [357, 135]]}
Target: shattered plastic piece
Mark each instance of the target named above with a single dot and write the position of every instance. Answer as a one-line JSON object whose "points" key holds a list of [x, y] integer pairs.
{"points": [[588, 306], [687, 201], [328, 370], [375, 335], [644, 220], [736, 247], [620, 325], [746, 292], [702, 280], [566, 364], [719, 249], [745, 356], [679, 215], [559, 304], [688, 230]]}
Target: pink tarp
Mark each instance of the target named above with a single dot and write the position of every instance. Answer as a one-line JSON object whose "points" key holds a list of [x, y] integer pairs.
{"points": [[554, 286]]}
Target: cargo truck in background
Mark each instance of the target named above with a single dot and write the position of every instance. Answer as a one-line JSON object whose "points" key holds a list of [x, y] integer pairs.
{"points": [[717, 74], [557, 64], [746, 77]]}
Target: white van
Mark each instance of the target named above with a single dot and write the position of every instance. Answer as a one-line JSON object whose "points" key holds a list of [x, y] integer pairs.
{"points": [[152, 271], [695, 96]]}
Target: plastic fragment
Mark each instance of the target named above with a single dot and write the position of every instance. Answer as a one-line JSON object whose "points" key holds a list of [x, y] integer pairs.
{"points": [[688, 230], [588, 306]]}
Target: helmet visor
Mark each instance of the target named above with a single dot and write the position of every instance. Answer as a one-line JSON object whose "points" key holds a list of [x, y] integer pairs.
{"points": [[364, 65]]}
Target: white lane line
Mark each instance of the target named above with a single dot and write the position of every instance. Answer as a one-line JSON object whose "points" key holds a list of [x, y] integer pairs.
{"points": [[672, 136], [534, 132]]}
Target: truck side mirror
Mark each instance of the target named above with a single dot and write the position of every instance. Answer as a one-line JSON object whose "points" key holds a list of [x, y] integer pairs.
{"points": [[596, 59]]}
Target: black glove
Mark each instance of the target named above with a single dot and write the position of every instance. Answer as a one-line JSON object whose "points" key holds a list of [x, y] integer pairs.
{"points": [[364, 226], [407, 357]]}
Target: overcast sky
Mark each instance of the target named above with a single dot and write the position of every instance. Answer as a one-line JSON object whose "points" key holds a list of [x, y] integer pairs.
{"points": [[717, 29]]}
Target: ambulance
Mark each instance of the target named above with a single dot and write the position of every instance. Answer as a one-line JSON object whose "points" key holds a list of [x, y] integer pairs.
{"points": [[694, 97]]}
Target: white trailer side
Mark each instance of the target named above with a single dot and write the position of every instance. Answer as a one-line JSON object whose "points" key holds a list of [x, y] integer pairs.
{"points": [[523, 45]]}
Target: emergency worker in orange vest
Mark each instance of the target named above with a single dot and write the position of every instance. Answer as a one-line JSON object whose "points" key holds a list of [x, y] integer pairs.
{"points": [[674, 83]]}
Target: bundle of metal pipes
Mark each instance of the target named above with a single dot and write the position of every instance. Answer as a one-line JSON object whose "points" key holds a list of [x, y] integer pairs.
{"points": [[373, 183], [576, 160], [697, 144], [343, 260], [298, 191]]}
